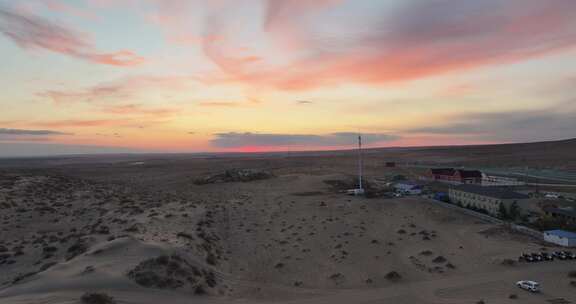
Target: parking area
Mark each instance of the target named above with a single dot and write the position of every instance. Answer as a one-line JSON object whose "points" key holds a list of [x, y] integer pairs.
{"points": [[535, 257]]}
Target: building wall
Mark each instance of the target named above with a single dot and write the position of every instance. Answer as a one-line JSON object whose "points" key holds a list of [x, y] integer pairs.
{"points": [[447, 179], [562, 217], [490, 204], [455, 179], [490, 180], [552, 238], [472, 180]]}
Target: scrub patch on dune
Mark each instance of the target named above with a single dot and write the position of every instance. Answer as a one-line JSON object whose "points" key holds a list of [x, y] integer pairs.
{"points": [[173, 272], [234, 175]]}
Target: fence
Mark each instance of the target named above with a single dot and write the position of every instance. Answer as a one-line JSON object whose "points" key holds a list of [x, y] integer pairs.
{"points": [[490, 219]]}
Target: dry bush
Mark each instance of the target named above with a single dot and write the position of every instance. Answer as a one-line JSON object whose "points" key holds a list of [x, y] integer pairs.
{"points": [[97, 298]]}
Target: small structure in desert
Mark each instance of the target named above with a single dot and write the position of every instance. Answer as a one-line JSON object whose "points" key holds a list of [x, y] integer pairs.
{"points": [[566, 215], [494, 180], [408, 188], [560, 237]]}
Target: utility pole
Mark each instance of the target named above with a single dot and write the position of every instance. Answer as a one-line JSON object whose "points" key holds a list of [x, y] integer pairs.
{"points": [[359, 190], [360, 163]]}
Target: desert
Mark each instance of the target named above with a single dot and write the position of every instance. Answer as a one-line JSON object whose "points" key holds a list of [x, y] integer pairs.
{"points": [[182, 229]]}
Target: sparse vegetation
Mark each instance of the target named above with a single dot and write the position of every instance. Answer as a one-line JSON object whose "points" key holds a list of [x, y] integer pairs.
{"points": [[439, 259], [262, 234], [508, 262], [172, 272], [97, 298], [393, 276]]}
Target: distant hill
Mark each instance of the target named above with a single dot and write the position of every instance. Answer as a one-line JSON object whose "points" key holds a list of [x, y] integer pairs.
{"points": [[558, 155], [554, 154]]}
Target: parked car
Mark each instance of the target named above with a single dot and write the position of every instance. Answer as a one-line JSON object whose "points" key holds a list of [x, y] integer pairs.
{"points": [[546, 256], [569, 255], [526, 257], [560, 255], [537, 257], [529, 285]]}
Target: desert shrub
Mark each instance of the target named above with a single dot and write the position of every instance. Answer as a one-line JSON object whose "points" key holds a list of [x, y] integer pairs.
{"points": [[76, 249], [508, 262], [88, 269], [97, 298], [211, 259], [133, 228], [439, 259], [513, 296], [184, 235], [200, 290], [50, 249], [21, 277], [393, 276], [172, 272], [572, 274]]}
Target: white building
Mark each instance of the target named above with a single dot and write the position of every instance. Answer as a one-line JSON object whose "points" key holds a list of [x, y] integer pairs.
{"points": [[408, 188], [493, 180], [488, 198], [560, 237]]}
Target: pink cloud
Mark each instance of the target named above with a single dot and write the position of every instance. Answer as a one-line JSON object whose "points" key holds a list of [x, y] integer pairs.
{"points": [[80, 123], [92, 94], [124, 88], [95, 123], [63, 7], [136, 109], [422, 39], [33, 32], [281, 18], [224, 104]]}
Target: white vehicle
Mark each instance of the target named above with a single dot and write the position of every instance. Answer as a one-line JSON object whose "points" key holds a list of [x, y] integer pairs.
{"points": [[529, 285], [552, 195], [355, 192]]}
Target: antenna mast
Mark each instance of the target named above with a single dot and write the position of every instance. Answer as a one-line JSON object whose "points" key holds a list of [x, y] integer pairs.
{"points": [[360, 161]]}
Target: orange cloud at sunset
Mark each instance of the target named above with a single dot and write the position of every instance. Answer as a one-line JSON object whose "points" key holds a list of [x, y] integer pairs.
{"points": [[180, 75], [31, 32]]}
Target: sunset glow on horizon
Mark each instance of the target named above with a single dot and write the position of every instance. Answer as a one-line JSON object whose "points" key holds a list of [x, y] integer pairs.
{"points": [[100, 76]]}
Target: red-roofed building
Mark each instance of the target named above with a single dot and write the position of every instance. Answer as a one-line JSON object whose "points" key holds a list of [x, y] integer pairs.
{"points": [[454, 176]]}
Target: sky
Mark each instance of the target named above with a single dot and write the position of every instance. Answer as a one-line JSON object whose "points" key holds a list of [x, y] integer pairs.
{"points": [[109, 76]]}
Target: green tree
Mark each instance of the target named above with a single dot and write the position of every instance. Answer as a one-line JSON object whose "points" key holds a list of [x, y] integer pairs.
{"points": [[514, 212], [502, 212]]}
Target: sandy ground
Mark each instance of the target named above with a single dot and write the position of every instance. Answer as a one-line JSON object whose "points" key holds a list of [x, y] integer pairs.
{"points": [[288, 239]]}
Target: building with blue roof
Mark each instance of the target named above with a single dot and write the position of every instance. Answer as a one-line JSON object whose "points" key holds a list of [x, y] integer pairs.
{"points": [[560, 237], [408, 188]]}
